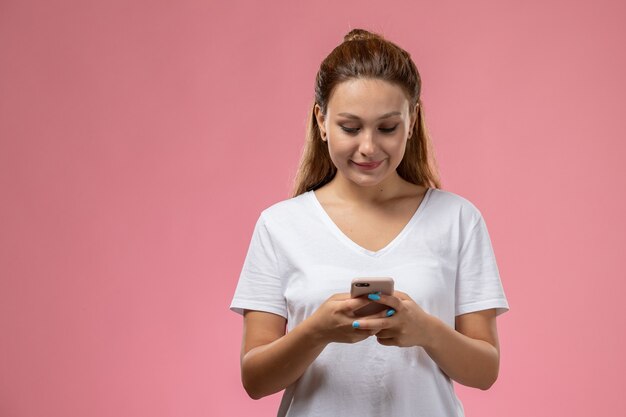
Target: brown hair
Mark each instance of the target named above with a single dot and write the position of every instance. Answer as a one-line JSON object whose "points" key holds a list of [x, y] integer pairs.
{"points": [[364, 54]]}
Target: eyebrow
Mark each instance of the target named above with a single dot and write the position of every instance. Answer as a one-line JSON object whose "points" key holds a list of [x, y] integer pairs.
{"points": [[384, 116]]}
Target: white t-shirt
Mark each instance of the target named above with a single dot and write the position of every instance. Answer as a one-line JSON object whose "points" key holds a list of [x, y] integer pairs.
{"points": [[443, 259]]}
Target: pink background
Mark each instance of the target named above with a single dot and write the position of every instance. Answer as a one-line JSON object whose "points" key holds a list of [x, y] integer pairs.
{"points": [[139, 141]]}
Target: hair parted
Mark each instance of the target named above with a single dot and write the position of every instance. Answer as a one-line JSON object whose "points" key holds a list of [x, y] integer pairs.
{"points": [[365, 54]]}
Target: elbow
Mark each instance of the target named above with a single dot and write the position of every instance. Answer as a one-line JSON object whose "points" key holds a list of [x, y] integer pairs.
{"points": [[251, 389], [249, 382], [253, 394], [254, 387], [488, 382], [492, 375]]}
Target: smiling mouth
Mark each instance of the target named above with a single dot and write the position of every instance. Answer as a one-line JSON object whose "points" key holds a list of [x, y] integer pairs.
{"points": [[368, 164]]}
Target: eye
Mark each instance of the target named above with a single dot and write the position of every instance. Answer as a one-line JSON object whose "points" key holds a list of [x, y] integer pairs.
{"points": [[356, 129], [389, 129], [349, 129]]}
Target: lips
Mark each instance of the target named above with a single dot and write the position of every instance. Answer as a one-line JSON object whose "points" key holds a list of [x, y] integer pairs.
{"points": [[368, 164]]}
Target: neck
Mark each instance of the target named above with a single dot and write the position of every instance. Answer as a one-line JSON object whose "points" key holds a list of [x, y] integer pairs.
{"points": [[349, 192]]}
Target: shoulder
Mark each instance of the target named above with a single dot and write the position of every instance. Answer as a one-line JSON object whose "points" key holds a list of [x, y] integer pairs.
{"points": [[451, 204], [287, 211]]}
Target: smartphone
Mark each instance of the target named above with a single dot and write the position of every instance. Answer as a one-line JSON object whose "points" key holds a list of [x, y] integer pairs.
{"points": [[368, 285]]}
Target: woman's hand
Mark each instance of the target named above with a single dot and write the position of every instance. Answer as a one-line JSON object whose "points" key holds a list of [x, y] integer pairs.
{"points": [[333, 320], [408, 325]]}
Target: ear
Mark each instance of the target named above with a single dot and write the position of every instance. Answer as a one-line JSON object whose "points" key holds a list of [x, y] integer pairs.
{"points": [[320, 121], [414, 114]]}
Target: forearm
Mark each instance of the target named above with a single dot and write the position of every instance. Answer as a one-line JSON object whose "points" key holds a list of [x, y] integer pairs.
{"points": [[468, 361], [270, 368]]}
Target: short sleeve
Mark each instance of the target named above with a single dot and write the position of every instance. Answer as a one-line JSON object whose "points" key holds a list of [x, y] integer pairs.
{"points": [[478, 284], [259, 286]]}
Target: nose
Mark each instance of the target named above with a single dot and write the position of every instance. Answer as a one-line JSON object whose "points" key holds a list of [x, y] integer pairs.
{"points": [[367, 146]]}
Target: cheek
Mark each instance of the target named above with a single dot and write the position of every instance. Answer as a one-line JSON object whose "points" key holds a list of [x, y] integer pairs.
{"points": [[339, 148], [335, 154], [399, 148]]}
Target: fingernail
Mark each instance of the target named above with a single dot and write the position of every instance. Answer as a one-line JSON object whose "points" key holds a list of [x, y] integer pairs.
{"points": [[391, 312], [374, 296], [355, 324]]}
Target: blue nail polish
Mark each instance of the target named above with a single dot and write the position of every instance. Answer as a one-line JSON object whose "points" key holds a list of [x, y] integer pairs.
{"points": [[391, 312], [375, 297], [355, 324]]}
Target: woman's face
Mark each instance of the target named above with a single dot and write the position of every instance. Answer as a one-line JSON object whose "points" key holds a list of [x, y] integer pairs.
{"points": [[367, 122]]}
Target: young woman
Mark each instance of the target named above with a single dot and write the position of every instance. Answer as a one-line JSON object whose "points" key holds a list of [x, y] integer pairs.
{"points": [[367, 203]]}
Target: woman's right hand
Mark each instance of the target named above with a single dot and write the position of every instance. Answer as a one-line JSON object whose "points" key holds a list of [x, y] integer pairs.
{"points": [[271, 359], [332, 321]]}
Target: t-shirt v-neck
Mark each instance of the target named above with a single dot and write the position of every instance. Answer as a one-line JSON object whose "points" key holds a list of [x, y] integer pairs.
{"points": [[355, 246], [442, 259]]}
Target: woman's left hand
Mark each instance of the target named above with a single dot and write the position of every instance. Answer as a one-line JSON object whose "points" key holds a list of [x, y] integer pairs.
{"points": [[409, 325]]}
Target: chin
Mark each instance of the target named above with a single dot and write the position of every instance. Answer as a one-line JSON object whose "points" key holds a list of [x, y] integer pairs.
{"points": [[368, 182]]}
